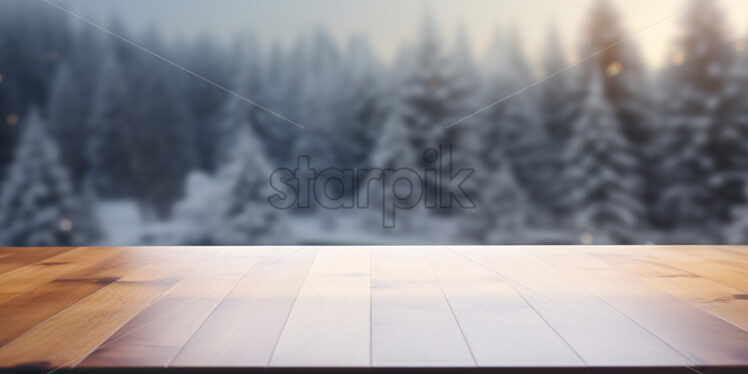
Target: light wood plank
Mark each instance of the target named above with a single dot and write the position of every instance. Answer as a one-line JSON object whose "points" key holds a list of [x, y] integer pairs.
{"points": [[704, 261], [12, 258], [155, 335], [600, 334], [720, 300], [704, 338], [244, 328], [329, 324], [26, 310], [412, 324], [500, 326], [68, 337]]}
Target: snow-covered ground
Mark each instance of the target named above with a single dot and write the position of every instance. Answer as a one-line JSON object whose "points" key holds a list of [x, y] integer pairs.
{"points": [[123, 225]]}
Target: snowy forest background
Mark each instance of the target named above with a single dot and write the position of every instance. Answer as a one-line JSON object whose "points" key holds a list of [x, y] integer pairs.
{"points": [[103, 143]]}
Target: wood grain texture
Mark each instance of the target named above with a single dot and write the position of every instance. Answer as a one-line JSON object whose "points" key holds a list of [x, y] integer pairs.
{"points": [[244, 328], [154, 337], [702, 337], [599, 333], [15, 257], [500, 326], [30, 308], [412, 323], [325, 307], [335, 298], [69, 336]]}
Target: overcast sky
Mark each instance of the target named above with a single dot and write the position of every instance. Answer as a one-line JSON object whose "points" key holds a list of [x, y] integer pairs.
{"points": [[390, 22]]}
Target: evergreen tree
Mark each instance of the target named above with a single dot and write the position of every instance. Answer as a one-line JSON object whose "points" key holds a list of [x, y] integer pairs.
{"points": [[71, 102], [363, 105], [236, 113], [427, 97], [602, 185], [697, 109], [502, 212], [617, 61], [37, 203], [141, 146], [231, 207], [320, 105], [204, 100], [516, 126], [34, 38], [561, 94]]}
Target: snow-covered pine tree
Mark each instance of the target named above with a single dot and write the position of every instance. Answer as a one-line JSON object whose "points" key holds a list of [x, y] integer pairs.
{"points": [[502, 212], [235, 112], [561, 94], [231, 207], [71, 102], [37, 202], [327, 138], [142, 144], [427, 96], [617, 61], [600, 176], [515, 125], [34, 38], [733, 140], [206, 57], [363, 104], [696, 105], [281, 80]]}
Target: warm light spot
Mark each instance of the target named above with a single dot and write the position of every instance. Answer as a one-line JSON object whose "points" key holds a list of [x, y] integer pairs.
{"points": [[678, 59], [11, 119], [740, 46], [614, 68], [65, 225], [1, 79], [586, 238], [432, 86], [52, 55]]}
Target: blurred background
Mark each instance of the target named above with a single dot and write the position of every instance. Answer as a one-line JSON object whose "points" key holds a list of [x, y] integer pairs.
{"points": [[585, 121]]}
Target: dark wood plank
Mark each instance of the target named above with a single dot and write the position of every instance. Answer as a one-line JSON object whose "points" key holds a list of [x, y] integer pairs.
{"points": [[703, 338], [69, 336], [154, 337], [245, 327], [12, 258]]}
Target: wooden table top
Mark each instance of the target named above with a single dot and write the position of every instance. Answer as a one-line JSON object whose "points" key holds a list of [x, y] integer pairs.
{"points": [[683, 307]]}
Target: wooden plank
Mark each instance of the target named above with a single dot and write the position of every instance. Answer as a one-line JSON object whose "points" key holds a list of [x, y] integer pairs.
{"points": [[412, 323], [600, 334], [244, 328], [722, 301], [155, 335], [705, 261], [26, 310], [34, 275], [69, 336], [329, 324], [500, 326], [12, 258], [703, 338]]}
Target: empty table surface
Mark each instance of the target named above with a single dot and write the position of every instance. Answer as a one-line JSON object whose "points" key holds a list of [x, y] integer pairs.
{"points": [[472, 307]]}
